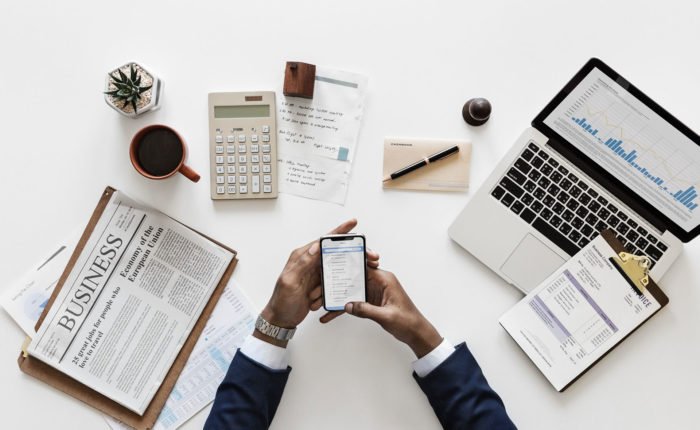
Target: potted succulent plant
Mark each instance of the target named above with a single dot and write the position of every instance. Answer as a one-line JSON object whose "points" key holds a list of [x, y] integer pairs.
{"points": [[132, 90]]}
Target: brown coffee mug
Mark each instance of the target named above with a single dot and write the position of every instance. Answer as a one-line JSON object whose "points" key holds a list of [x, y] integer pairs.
{"points": [[158, 152]]}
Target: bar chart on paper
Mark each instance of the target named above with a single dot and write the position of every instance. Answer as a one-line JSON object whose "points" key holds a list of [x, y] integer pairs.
{"points": [[634, 144]]}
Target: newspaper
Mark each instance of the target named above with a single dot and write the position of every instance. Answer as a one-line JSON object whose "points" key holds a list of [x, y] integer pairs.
{"points": [[124, 312], [231, 322]]}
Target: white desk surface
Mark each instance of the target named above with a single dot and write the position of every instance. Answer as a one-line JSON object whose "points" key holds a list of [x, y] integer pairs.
{"points": [[61, 145]]}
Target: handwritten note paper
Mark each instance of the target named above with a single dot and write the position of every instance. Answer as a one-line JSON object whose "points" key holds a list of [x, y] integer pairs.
{"points": [[314, 177], [317, 138]]}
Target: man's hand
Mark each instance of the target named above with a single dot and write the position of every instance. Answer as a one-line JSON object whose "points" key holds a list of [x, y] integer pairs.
{"points": [[389, 306], [298, 288]]}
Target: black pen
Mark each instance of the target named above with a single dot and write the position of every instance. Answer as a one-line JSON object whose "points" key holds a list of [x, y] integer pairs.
{"points": [[424, 162]]}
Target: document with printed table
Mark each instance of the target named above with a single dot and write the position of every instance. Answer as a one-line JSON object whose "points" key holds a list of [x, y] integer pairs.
{"points": [[583, 310], [128, 310]]}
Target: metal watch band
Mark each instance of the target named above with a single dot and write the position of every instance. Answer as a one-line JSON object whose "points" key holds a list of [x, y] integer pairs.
{"points": [[279, 333]]}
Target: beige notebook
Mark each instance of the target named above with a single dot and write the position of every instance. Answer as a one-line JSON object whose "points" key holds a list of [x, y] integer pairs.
{"points": [[448, 174]]}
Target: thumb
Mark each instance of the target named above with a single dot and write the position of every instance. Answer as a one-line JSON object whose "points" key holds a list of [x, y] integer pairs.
{"points": [[366, 310]]}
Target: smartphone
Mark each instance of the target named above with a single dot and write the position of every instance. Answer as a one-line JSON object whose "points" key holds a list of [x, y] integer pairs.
{"points": [[344, 270]]}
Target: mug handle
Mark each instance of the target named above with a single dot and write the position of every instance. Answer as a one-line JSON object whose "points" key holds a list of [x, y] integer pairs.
{"points": [[189, 173]]}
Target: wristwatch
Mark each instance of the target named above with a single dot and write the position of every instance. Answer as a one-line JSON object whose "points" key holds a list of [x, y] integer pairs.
{"points": [[276, 332]]}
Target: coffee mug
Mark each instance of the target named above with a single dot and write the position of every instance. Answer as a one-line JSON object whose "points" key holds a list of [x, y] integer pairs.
{"points": [[158, 152]]}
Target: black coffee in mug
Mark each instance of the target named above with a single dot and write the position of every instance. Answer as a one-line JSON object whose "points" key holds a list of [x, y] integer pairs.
{"points": [[160, 151]]}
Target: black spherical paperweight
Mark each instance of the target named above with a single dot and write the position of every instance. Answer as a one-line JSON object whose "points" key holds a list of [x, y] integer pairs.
{"points": [[476, 111]]}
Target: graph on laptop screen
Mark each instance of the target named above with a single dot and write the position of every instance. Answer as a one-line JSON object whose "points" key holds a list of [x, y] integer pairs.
{"points": [[634, 144]]}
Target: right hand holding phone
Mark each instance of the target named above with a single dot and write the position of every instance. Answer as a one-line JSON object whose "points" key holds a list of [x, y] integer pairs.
{"points": [[389, 306]]}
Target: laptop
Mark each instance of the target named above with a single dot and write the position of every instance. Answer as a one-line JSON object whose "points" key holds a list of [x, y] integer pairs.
{"points": [[600, 155]]}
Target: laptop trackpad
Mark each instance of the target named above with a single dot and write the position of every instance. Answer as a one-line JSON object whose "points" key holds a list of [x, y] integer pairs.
{"points": [[531, 263]]}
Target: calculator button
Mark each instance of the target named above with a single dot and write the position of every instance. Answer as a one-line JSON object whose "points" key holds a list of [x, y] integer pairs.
{"points": [[230, 138], [254, 148], [219, 139], [267, 179], [220, 170], [231, 149], [220, 190], [255, 168], [242, 149], [242, 169], [242, 159], [265, 128], [243, 189], [219, 179], [266, 148], [219, 149], [219, 159], [255, 183], [253, 138], [266, 158], [266, 168], [230, 159], [267, 188], [266, 138], [231, 179], [232, 189], [255, 158], [241, 138], [242, 179], [230, 169]]}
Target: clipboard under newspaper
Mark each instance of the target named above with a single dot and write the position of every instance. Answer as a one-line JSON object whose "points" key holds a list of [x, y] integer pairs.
{"points": [[58, 379], [584, 310]]}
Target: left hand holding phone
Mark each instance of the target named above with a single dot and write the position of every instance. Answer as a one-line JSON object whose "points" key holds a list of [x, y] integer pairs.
{"points": [[298, 288]]}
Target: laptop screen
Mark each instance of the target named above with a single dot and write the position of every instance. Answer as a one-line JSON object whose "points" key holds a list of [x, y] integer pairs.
{"points": [[632, 143]]}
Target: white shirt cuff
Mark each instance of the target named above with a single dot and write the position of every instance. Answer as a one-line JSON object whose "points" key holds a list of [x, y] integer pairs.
{"points": [[272, 356], [426, 364]]}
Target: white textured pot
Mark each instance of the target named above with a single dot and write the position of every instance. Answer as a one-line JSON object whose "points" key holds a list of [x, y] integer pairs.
{"points": [[150, 99]]}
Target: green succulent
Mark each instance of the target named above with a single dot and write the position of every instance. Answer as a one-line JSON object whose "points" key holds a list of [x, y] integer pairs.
{"points": [[128, 88]]}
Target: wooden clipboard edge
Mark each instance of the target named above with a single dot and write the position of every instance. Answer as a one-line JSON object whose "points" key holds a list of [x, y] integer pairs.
{"points": [[70, 386], [652, 288]]}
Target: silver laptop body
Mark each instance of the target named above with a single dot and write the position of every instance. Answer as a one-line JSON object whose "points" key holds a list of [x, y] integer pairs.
{"points": [[581, 168]]}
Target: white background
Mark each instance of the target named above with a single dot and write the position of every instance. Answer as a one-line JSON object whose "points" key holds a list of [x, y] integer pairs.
{"points": [[61, 145]]}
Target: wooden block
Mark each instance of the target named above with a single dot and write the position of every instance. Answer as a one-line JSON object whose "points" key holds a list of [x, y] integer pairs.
{"points": [[299, 79]]}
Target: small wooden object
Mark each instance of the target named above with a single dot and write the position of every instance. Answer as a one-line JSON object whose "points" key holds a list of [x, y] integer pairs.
{"points": [[299, 79]]}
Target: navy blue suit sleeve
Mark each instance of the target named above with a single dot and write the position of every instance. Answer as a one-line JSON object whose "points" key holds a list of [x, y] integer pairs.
{"points": [[461, 397], [248, 396]]}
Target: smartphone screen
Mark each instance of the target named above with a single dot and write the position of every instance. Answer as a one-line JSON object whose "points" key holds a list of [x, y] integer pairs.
{"points": [[344, 266]]}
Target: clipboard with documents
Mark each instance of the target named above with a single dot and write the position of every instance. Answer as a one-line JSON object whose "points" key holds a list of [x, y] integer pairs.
{"points": [[584, 310], [155, 266]]}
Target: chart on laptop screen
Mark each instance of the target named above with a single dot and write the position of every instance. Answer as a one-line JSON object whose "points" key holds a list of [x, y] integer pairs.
{"points": [[634, 144]]}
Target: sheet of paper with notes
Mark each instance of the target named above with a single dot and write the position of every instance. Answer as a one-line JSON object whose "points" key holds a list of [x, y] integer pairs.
{"points": [[317, 138]]}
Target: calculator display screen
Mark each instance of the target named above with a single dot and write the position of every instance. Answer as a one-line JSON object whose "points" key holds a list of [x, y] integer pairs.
{"points": [[252, 111]]}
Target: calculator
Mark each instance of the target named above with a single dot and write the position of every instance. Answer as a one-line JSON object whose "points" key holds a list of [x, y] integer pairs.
{"points": [[243, 145]]}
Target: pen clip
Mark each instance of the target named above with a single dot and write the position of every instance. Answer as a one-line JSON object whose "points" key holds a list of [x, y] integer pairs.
{"points": [[636, 268]]}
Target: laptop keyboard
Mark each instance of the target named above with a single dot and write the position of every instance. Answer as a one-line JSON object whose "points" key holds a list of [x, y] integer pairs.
{"points": [[564, 207]]}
